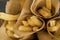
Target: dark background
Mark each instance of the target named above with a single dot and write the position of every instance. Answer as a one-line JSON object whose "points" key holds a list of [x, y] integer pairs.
{"points": [[2, 5], [2, 9]]}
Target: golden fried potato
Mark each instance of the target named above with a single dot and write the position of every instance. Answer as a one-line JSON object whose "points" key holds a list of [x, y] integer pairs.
{"points": [[9, 27], [25, 23], [46, 9], [35, 29], [9, 33], [53, 28], [25, 29], [36, 21], [8, 17], [52, 22], [48, 4], [44, 13], [30, 22], [16, 36]]}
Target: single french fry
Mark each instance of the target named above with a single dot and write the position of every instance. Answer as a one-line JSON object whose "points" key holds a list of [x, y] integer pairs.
{"points": [[35, 29], [46, 9], [25, 29], [16, 36], [48, 4], [44, 13], [25, 23], [30, 22]]}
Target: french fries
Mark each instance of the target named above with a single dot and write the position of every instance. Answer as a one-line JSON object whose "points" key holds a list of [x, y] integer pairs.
{"points": [[36, 21], [9, 27], [11, 34], [53, 28], [44, 13], [32, 22], [52, 22], [54, 25]]}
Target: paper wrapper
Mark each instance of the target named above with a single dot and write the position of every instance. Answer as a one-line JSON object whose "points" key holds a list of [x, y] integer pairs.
{"points": [[54, 34], [14, 6], [41, 3], [31, 37], [43, 35], [3, 35]]}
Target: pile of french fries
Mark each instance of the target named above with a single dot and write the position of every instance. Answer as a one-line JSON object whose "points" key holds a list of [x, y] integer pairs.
{"points": [[46, 11], [28, 16], [54, 25]]}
